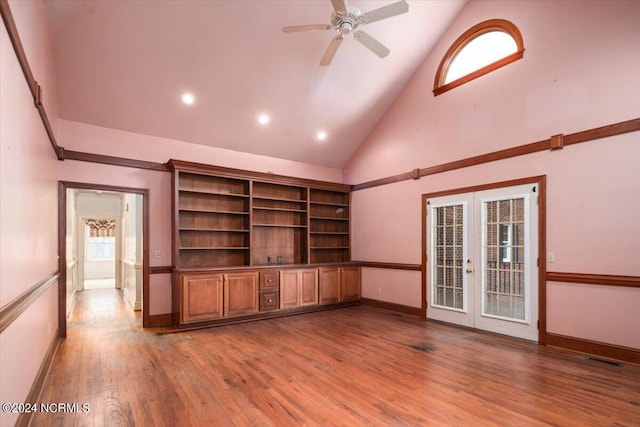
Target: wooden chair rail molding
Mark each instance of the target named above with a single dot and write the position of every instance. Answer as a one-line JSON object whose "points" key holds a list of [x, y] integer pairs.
{"points": [[11, 311], [164, 269], [594, 279], [389, 265]]}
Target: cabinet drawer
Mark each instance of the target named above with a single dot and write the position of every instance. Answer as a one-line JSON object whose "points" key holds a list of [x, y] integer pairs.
{"points": [[269, 281], [269, 301]]}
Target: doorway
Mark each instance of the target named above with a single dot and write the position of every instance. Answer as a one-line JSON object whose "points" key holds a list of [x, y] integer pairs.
{"points": [[103, 244], [481, 250]]}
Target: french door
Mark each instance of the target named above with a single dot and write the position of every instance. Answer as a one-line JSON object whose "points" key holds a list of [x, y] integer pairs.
{"points": [[482, 253]]}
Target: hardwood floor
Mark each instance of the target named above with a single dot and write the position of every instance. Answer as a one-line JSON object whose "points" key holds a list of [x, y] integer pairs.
{"points": [[352, 366]]}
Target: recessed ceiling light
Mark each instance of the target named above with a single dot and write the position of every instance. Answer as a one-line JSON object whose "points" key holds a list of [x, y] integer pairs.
{"points": [[321, 136], [188, 98], [263, 119]]}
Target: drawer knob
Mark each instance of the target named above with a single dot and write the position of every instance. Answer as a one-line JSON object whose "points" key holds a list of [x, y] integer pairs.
{"points": [[270, 281]]}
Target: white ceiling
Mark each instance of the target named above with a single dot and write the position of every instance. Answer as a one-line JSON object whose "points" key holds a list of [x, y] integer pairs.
{"points": [[123, 64]]}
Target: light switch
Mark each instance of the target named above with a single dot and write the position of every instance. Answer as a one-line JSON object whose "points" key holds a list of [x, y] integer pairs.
{"points": [[157, 254], [551, 257]]}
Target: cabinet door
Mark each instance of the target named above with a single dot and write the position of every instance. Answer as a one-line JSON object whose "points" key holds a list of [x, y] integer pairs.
{"points": [[201, 298], [289, 288], [240, 294], [350, 284], [329, 284], [308, 287]]}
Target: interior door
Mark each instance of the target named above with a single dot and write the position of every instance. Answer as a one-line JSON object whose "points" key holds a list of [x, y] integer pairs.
{"points": [[482, 260]]}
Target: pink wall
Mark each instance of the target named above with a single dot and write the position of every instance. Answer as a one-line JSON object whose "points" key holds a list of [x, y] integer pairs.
{"points": [[28, 204], [99, 140], [564, 84]]}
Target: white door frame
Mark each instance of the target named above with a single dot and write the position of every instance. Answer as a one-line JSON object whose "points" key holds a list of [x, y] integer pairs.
{"points": [[540, 182]]}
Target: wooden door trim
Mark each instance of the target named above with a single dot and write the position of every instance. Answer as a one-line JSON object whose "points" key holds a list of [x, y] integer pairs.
{"points": [[541, 182], [62, 253]]}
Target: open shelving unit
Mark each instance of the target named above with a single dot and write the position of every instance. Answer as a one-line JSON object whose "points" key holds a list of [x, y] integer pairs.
{"points": [[213, 221], [279, 221], [231, 218], [329, 226]]}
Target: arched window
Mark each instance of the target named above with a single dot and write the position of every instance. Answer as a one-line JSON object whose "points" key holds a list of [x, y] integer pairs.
{"points": [[481, 49]]}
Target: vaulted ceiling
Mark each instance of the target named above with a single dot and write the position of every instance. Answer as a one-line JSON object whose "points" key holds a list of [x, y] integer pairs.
{"points": [[124, 64]]}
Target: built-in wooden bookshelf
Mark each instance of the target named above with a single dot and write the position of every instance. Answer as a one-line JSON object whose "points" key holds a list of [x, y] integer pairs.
{"points": [[213, 220], [329, 226], [279, 223], [249, 246], [228, 218]]}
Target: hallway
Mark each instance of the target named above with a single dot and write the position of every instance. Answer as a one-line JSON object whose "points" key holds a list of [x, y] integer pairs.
{"points": [[352, 366]]}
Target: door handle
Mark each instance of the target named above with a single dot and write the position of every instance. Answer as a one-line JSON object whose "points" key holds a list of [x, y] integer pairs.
{"points": [[469, 270]]}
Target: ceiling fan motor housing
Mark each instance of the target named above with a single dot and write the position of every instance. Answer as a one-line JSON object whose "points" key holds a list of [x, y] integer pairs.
{"points": [[346, 22]]}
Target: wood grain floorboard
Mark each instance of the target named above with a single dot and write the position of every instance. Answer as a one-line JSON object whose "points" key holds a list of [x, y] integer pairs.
{"points": [[358, 366]]}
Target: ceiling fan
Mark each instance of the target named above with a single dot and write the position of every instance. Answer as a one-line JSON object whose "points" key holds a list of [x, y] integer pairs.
{"points": [[346, 19]]}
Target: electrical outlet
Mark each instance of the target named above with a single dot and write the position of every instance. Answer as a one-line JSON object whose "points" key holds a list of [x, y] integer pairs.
{"points": [[551, 257], [379, 290]]}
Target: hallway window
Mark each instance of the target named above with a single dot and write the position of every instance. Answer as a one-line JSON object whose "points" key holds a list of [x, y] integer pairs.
{"points": [[101, 249], [101, 243]]}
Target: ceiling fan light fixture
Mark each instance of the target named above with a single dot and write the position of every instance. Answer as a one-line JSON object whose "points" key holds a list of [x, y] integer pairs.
{"points": [[346, 19]]}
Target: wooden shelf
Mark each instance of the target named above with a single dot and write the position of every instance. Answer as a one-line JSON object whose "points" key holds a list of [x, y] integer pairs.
{"points": [[280, 225], [212, 230], [344, 205], [209, 248], [212, 193], [264, 208], [324, 218], [279, 199], [323, 248], [212, 211], [331, 233]]}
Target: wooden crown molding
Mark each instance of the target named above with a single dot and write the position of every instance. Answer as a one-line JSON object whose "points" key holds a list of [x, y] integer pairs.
{"points": [[34, 87], [114, 161], [185, 166]]}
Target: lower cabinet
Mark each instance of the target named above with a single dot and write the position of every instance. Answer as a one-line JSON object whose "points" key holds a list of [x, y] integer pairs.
{"points": [[241, 294], [201, 297], [350, 283], [208, 297], [298, 288], [338, 284]]}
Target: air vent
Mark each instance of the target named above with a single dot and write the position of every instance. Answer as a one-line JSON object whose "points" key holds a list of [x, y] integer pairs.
{"points": [[605, 361]]}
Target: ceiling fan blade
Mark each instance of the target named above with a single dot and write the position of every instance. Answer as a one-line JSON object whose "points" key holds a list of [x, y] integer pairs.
{"points": [[388, 11], [331, 50], [372, 44], [311, 27], [339, 6]]}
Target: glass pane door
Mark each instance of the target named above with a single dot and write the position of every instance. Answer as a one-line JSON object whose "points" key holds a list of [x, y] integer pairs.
{"points": [[504, 256], [448, 232]]}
